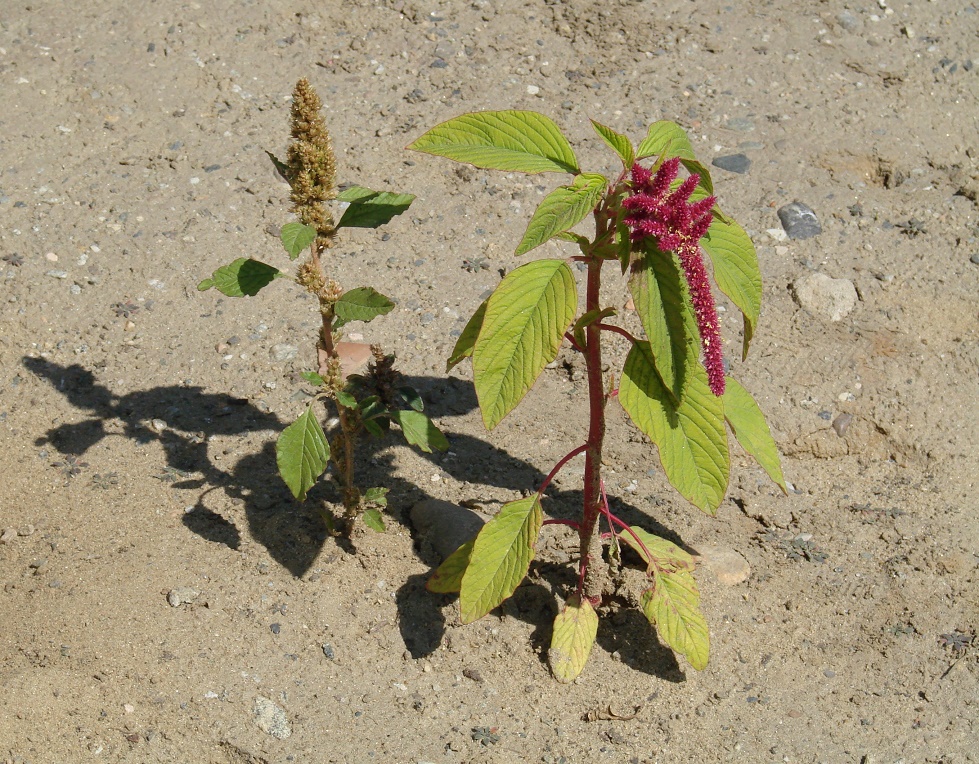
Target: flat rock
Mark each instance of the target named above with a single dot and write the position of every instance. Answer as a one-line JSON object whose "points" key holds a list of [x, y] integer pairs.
{"points": [[738, 163], [799, 221], [446, 526], [824, 297], [727, 565], [271, 719], [182, 595]]}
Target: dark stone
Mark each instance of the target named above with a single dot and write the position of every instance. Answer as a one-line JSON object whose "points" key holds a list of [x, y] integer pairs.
{"points": [[799, 221], [738, 163]]}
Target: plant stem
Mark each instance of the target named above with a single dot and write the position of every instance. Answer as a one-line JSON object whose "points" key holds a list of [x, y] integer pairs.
{"points": [[593, 574]]}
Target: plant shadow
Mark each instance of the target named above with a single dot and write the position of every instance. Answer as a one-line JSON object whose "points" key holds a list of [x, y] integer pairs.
{"points": [[185, 419]]}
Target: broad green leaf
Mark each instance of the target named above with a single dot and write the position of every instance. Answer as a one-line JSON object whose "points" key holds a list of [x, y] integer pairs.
{"points": [[663, 304], [658, 552], [575, 629], [448, 578], [672, 605], [376, 496], [371, 209], [690, 436], [296, 237], [563, 208], [361, 304], [242, 277], [522, 141], [419, 431], [302, 453], [670, 140], [467, 340], [526, 318], [619, 143], [735, 270], [346, 400], [313, 378], [750, 428], [500, 558], [410, 396], [374, 520]]}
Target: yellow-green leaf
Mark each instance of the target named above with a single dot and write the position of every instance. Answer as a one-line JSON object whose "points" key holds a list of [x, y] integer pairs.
{"points": [[616, 141], [574, 634], [672, 605], [448, 578], [522, 141], [420, 431], [670, 140], [750, 428], [690, 436], [302, 453], [657, 552], [526, 318], [500, 558], [563, 208], [467, 340], [735, 270]]}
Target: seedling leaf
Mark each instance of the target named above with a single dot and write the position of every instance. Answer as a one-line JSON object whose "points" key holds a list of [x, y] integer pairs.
{"points": [[302, 453], [750, 428], [522, 141], [526, 318], [313, 378], [619, 143], [419, 431], [467, 340], [376, 496], [736, 271], [242, 277], [672, 605], [690, 436], [563, 208], [371, 209], [670, 140], [448, 578], [346, 400], [374, 520], [361, 304], [575, 629], [500, 558], [296, 237]]}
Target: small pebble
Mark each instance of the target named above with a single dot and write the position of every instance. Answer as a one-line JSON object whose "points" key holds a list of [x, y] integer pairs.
{"points": [[328, 651], [8, 535], [740, 124], [532, 90], [974, 259], [275, 628], [841, 423], [51, 257], [799, 221], [829, 673], [271, 719], [57, 274], [738, 163], [283, 352], [182, 595]]}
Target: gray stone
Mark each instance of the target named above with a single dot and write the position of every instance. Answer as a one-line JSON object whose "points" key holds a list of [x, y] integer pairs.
{"points": [[445, 525], [848, 21], [738, 163], [740, 124], [271, 719], [182, 595], [824, 297], [8, 535], [799, 221], [283, 352]]}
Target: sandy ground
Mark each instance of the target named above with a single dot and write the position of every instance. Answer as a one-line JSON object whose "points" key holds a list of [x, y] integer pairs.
{"points": [[137, 415]]}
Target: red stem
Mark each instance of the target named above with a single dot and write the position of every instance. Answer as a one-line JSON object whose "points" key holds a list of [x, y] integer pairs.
{"points": [[557, 467], [619, 330]]}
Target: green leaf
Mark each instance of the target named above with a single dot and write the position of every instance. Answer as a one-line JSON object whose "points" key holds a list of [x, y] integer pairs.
{"points": [[374, 520], [670, 140], [658, 552], [361, 304], [313, 378], [690, 436], [672, 605], [419, 431], [619, 143], [750, 428], [563, 208], [589, 318], [526, 318], [522, 141], [296, 237], [500, 558], [410, 396], [376, 496], [448, 578], [467, 340], [346, 400], [371, 209], [302, 453], [575, 629], [242, 277], [663, 304], [735, 271]]}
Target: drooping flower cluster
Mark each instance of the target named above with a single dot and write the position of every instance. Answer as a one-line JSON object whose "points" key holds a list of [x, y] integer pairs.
{"points": [[677, 226]]}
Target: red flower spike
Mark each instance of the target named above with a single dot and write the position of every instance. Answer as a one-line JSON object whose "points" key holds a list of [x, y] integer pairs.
{"points": [[677, 226]]}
